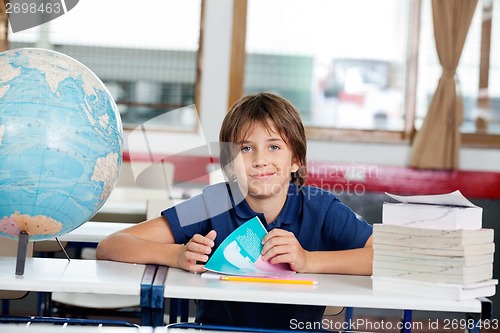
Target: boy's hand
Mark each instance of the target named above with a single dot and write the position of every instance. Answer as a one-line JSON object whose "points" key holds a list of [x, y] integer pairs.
{"points": [[195, 253], [281, 246]]}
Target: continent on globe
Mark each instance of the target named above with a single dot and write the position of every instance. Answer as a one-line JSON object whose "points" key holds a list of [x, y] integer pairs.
{"points": [[61, 141], [104, 171], [32, 225]]}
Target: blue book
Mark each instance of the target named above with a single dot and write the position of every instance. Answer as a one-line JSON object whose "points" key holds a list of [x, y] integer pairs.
{"points": [[240, 254]]}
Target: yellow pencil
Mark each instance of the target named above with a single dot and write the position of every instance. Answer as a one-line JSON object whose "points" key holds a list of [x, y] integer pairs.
{"points": [[264, 279]]}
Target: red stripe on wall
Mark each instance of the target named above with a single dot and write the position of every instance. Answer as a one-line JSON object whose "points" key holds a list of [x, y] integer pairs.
{"points": [[357, 178], [403, 180]]}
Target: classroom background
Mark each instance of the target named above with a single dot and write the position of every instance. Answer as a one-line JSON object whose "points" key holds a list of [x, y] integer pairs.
{"points": [[364, 74]]}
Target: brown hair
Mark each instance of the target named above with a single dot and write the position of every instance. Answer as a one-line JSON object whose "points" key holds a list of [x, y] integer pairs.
{"points": [[262, 108]]}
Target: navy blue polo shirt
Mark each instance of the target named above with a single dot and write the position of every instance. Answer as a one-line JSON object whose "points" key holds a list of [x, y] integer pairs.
{"points": [[319, 221]]}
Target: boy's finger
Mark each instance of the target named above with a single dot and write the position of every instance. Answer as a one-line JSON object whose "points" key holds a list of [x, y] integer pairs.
{"points": [[275, 233], [203, 240], [211, 235]]}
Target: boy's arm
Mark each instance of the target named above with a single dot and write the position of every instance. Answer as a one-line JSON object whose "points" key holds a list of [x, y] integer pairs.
{"points": [[355, 261], [281, 246], [152, 242]]}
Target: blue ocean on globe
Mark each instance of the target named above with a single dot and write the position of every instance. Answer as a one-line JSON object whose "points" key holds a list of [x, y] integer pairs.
{"points": [[61, 141]]}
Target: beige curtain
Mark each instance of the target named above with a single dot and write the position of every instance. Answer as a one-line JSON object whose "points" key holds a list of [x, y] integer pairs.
{"points": [[437, 143]]}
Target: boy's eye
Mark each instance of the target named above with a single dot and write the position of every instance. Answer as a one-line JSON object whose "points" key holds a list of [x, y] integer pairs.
{"points": [[246, 149], [274, 147]]}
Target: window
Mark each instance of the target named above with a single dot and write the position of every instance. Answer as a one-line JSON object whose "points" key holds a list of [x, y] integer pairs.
{"points": [[366, 70], [342, 63], [145, 53], [491, 110], [467, 76]]}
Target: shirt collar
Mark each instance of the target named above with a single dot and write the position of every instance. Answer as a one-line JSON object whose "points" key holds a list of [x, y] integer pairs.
{"points": [[289, 213]]}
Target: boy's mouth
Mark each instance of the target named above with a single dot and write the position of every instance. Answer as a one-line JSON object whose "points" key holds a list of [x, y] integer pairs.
{"points": [[262, 175]]}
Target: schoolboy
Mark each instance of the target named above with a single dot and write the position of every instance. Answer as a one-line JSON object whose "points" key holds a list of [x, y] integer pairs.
{"points": [[263, 155]]}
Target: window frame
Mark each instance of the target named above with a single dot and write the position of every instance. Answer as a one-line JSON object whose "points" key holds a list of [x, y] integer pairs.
{"points": [[404, 136], [5, 44]]}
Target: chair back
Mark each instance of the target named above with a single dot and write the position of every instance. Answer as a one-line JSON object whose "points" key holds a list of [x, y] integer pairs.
{"points": [[154, 207], [215, 173], [158, 175]]}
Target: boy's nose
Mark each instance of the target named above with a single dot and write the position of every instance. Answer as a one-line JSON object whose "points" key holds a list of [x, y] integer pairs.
{"points": [[258, 163], [259, 158]]}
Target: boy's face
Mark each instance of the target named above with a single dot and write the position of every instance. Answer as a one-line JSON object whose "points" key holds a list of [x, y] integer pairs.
{"points": [[264, 163]]}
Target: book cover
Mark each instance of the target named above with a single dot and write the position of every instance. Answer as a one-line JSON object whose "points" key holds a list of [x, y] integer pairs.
{"points": [[442, 261], [442, 211], [435, 269], [454, 275], [430, 238], [240, 254], [452, 251], [455, 291], [388, 232]]}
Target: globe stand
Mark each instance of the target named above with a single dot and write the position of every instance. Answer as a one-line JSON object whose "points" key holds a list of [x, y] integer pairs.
{"points": [[62, 249], [22, 246]]}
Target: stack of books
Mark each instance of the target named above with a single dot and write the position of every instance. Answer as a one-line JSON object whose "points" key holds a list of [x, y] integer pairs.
{"points": [[433, 245]]}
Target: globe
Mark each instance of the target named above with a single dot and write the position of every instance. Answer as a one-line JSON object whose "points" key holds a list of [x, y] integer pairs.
{"points": [[61, 141]]}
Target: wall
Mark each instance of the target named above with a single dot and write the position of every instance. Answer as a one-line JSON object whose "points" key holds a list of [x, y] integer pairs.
{"points": [[214, 96]]}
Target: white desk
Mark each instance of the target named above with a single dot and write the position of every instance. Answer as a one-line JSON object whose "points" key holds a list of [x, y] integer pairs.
{"points": [[167, 329], [93, 232], [133, 200], [46, 328], [81, 276], [332, 290], [125, 200], [126, 207]]}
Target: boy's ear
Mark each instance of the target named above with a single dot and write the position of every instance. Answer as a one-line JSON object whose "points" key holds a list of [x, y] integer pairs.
{"points": [[228, 170], [295, 166]]}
